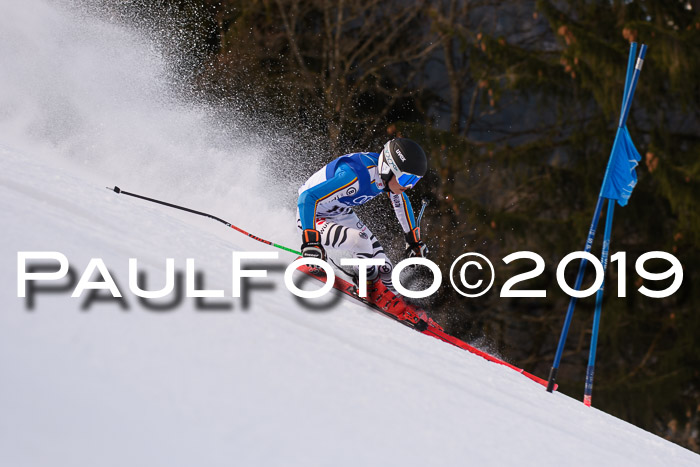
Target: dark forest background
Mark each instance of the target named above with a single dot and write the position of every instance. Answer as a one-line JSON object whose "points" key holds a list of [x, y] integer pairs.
{"points": [[516, 103]]}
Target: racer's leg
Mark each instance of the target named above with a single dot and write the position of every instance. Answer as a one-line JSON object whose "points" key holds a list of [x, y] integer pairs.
{"points": [[347, 232]]}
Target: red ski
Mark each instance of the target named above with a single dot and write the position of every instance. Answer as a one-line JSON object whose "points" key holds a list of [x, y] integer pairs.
{"points": [[423, 324]]}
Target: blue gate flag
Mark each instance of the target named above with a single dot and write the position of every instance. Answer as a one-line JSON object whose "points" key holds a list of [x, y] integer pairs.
{"points": [[621, 177]]}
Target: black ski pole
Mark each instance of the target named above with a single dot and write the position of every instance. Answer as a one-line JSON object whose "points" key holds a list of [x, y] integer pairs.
{"points": [[118, 190]]}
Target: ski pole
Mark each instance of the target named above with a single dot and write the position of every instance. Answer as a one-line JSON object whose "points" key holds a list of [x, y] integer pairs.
{"points": [[424, 204], [118, 190]]}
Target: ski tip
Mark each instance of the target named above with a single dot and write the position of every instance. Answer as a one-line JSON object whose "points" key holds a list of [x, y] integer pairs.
{"points": [[116, 189]]}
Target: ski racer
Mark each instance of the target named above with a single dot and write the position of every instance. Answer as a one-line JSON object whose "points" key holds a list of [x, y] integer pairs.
{"points": [[326, 218]]}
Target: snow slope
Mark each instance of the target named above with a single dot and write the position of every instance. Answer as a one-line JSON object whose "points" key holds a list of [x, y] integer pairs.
{"points": [[84, 104]]}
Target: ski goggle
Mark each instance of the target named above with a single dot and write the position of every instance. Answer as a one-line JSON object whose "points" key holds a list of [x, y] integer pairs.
{"points": [[404, 179], [408, 180]]}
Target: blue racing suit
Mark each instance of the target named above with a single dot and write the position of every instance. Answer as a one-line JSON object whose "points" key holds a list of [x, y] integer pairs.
{"points": [[328, 196]]}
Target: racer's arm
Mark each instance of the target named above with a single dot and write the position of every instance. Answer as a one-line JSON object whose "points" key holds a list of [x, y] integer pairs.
{"points": [[404, 211], [308, 200]]}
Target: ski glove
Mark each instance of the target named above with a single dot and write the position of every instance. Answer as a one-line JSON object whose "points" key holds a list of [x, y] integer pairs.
{"points": [[311, 245], [414, 245]]}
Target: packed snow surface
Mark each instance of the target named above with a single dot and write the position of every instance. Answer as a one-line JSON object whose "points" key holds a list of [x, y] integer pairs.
{"points": [[86, 104]]}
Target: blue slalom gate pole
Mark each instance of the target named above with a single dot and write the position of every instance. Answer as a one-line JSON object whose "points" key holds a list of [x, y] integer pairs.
{"points": [[624, 110], [590, 369], [572, 303], [629, 95], [630, 85], [631, 79]]}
